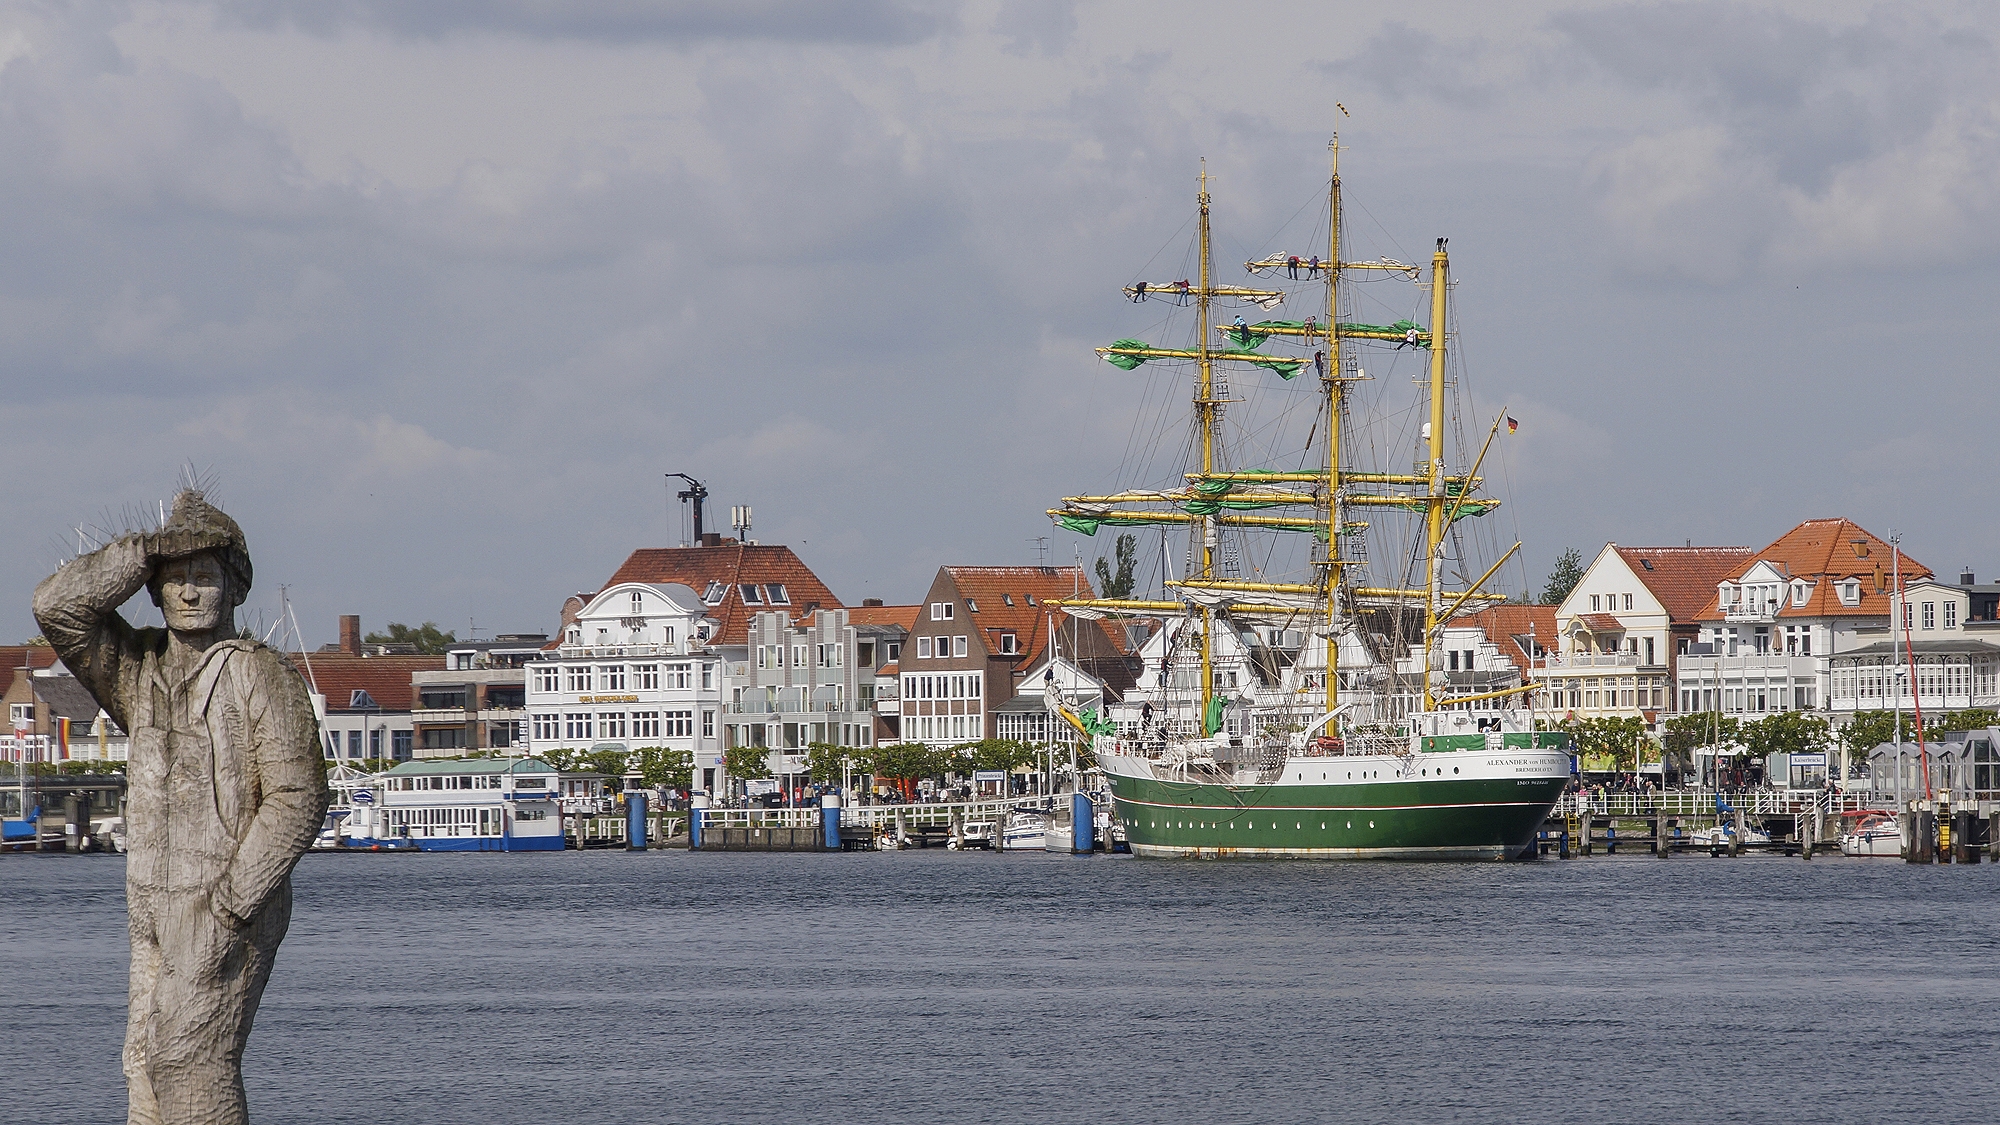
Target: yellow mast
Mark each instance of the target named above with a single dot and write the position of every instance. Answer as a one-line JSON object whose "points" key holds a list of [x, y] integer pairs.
{"points": [[1434, 537], [1334, 393], [1205, 408]]}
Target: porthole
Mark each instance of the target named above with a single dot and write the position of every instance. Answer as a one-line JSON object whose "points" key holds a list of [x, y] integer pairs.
{"points": [[1371, 824], [1350, 824], [1454, 769]]}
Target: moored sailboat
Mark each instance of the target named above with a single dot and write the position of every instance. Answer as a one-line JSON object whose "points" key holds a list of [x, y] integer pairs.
{"points": [[1298, 770]]}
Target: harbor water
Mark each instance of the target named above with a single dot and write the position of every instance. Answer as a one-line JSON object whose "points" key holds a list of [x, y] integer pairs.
{"points": [[948, 987]]}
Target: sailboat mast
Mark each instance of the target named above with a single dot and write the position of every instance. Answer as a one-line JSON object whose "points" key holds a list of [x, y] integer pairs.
{"points": [[1434, 538], [1334, 392], [1205, 409]]}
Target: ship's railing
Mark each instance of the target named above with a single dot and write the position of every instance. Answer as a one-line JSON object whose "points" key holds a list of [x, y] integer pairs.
{"points": [[1701, 802], [922, 813]]}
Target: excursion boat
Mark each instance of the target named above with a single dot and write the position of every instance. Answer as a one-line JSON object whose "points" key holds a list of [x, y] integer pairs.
{"points": [[1326, 764], [472, 804]]}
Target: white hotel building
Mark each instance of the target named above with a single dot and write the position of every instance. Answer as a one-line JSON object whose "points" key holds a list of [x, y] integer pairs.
{"points": [[633, 670]]}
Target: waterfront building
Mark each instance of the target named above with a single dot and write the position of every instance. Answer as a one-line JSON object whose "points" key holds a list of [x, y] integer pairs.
{"points": [[1623, 631], [478, 701], [885, 629], [633, 670], [805, 679], [53, 718], [977, 631], [364, 695], [1771, 627], [473, 804]]}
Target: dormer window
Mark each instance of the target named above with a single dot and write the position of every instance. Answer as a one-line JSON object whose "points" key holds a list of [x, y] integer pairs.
{"points": [[751, 594], [715, 593], [776, 594], [1008, 644], [1800, 592], [1850, 592], [637, 601]]}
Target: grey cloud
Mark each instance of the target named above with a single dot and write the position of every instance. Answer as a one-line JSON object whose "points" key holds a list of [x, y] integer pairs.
{"points": [[614, 21], [1406, 62], [1043, 27]]}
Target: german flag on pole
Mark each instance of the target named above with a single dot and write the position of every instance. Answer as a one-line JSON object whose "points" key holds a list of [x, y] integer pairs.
{"points": [[1512, 425]]}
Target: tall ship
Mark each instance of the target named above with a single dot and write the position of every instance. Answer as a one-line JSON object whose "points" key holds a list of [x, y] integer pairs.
{"points": [[1293, 701]]}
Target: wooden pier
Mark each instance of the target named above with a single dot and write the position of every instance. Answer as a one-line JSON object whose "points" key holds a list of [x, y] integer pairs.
{"points": [[1666, 824]]}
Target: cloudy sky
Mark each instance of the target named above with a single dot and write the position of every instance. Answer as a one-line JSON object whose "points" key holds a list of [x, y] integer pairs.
{"points": [[438, 292]]}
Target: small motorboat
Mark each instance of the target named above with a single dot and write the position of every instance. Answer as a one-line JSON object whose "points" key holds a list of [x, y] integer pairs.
{"points": [[1879, 835], [1725, 836], [1024, 830], [976, 834]]}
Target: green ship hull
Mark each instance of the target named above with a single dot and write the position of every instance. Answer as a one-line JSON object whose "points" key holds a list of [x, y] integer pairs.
{"points": [[1489, 818]]}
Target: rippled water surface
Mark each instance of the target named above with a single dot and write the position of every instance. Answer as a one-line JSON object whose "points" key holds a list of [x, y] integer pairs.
{"points": [[957, 987]]}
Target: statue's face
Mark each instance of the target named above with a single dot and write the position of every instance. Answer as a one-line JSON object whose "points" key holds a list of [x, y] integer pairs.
{"points": [[193, 593]]}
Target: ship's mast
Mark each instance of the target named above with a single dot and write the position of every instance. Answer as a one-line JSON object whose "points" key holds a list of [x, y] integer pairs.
{"points": [[1206, 409], [1435, 508], [1335, 390]]}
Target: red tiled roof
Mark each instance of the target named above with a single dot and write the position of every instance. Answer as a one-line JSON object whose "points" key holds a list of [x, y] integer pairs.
{"points": [[1821, 551], [386, 679], [903, 615], [1504, 623], [732, 564], [1009, 600], [31, 656], [1601, 622], [1683, 578]]}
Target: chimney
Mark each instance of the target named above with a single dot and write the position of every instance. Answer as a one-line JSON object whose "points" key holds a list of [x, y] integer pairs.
{"points": [[711, 539], [350, 633], [1965, 577]]}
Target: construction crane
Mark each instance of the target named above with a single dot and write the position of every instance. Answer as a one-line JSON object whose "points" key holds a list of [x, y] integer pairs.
{"points": [[695, 492]]}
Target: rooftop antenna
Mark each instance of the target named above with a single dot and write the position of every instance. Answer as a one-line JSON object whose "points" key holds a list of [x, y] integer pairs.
{"points": [[695, 492], [739, 519], [1041, 543]]}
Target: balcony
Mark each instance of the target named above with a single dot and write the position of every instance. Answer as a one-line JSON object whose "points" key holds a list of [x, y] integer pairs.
{"points": [[501, 714], [594, 652], [1564, 662], [438, 715]]}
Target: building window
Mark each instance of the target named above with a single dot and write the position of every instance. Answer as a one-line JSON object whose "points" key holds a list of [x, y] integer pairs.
{"points": [[1909, 613], [776, 594], [1009, 643], [715, 593], [680, 676], [576, 678], [637, 603], [645, 677], [545, 728], [958, 646], [1628, 601], [611, 724], [923, 648], [708, 724], [751, 595], [546, 678], [399, 744], [611, 677], [1930, 615], [708, 677], [893, 651], [576, 726], [680, 724], [1850, 592], [942, 611], [1594, 606], [645, 724], [1951, 615]]}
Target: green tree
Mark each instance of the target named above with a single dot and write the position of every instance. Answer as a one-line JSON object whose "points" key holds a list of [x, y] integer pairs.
{"points": [[1563, 578], [1977, 718], [663, 766], [904, 763], [562, 758], [825, 762], [1120, 584], [1000, 754], [1787, 732], [1687, 733], [747, 762], [1609, 743], [610, 762], [427, 637]]}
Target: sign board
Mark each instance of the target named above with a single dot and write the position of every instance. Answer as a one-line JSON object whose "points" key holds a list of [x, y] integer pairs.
{"points": [[1817, 760], [759, 787], [989, 775]]}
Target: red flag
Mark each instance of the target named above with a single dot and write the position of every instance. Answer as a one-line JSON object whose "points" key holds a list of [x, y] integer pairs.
{"points": [[62, 738]]}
